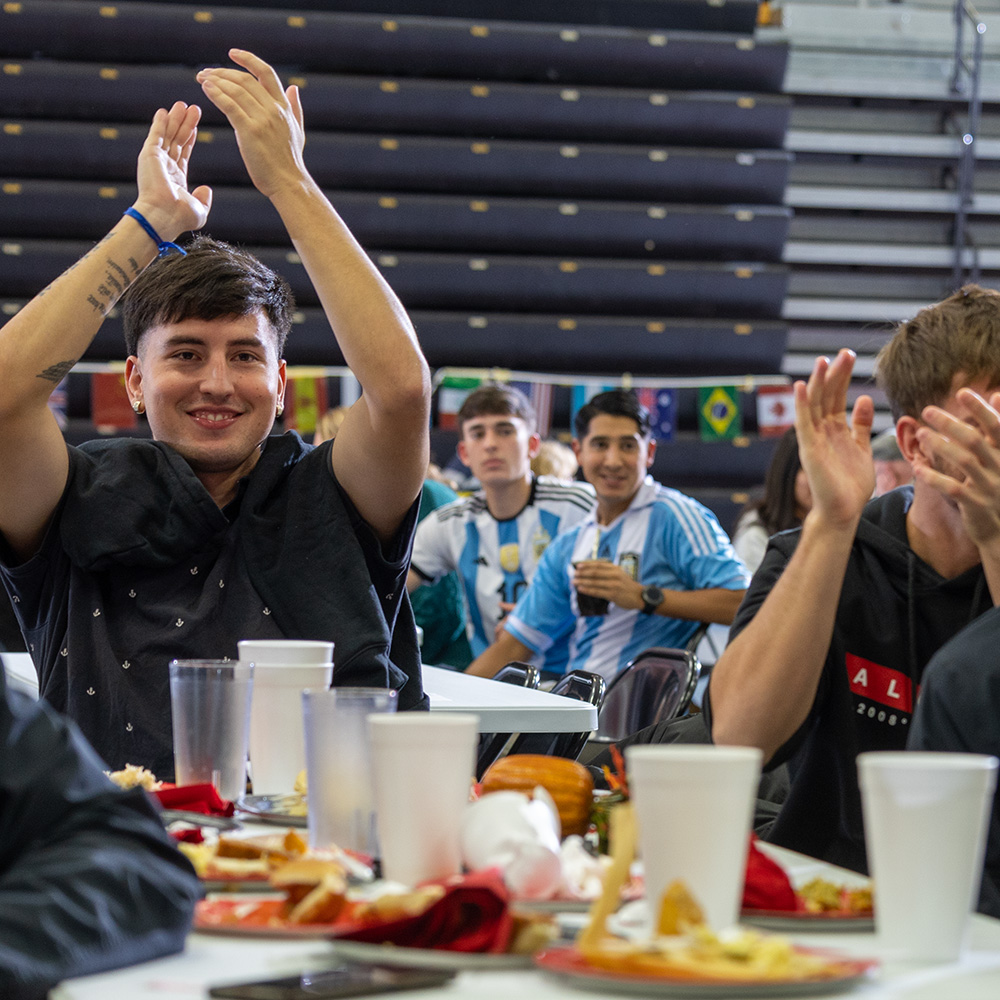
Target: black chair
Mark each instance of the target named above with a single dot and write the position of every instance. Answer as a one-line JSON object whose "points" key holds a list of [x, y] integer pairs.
{"points": [[657, 685], [491, 744], [581, 685]]}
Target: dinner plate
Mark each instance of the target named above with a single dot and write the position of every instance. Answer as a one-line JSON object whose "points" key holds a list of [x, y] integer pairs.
{"points": [[235, 883], [282, 810], [803, 920], [258, 917], [569, 967], [427, 958], [252, 916]]}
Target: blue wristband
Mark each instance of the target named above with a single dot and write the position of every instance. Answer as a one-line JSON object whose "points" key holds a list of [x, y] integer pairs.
{"points": [[164, 246]]}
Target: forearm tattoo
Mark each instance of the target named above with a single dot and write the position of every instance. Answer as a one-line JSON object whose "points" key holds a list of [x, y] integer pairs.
{"points": [[108, 292], [57, 372]]}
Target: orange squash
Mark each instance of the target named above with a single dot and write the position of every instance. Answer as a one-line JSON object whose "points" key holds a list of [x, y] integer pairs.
{"points": [[568, 782]]}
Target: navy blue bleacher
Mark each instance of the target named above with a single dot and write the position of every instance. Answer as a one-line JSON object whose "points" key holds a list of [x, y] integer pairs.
{"points": [[590, 187]]}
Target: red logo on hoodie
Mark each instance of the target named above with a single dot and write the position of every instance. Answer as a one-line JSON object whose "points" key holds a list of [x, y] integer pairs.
{"points": [[891, 688]]}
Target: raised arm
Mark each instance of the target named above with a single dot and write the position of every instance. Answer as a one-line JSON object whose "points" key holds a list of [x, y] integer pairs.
{"points": [[764, 684], [48, 336], [380, 453]]}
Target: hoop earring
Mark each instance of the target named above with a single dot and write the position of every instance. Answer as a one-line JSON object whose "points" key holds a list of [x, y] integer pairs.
{"points": [[279, 409], [137, 406]]}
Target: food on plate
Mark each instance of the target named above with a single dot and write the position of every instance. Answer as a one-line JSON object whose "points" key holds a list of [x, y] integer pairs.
{"points": [[301, 785], [315, 889], [243, 857], [279, 845], [684, 947], [133, 776], [567, 781], [679, 913], [821, 896], [531, 932], [393, 906]]}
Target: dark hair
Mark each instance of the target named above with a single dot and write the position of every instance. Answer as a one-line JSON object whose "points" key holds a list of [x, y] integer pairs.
{"points": [[213, 281], [776, 508], [960, 335], [614, 403], [497, 400]]}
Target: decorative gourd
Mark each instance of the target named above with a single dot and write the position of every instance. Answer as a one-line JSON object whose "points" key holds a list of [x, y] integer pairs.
{"points": [[568, 782]]}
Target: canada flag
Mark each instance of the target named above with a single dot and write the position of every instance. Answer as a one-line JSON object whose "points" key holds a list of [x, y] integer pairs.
{"points": [[775, 409]]}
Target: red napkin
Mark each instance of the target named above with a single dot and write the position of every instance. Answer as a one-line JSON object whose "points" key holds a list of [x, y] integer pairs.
{"points": [[471, 916], [195, 798], [767, 886], [192, 835]]}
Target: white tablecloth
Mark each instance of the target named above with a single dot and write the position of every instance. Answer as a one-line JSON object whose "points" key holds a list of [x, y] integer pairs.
{"points": [[211, 959]]}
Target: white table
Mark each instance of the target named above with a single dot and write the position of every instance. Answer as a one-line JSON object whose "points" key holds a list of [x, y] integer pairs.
{"points": [[506, 708], [502, 708], [212, 959]]}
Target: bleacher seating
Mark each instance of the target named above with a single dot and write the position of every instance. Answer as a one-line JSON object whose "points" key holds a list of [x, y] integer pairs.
{"points": [[585, 187], [876, 131]]}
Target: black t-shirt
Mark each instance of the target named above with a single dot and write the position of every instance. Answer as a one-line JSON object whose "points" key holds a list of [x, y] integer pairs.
{"points": [[102, 637]]}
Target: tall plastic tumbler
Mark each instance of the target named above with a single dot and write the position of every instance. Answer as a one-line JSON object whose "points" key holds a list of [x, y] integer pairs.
{"points": [[338, 765], [210, 712]]}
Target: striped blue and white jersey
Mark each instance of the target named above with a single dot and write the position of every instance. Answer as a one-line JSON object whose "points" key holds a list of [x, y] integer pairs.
{"points": [[496, 560], [664, 539]]}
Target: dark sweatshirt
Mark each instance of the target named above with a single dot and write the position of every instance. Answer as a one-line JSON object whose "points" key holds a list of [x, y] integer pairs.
{"points": [[894, 613]]}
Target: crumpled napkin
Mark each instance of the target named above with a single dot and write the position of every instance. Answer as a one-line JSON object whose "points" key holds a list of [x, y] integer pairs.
{"points": [[195, 798], [517, 835], [767, 887], [471, 916], [582, 872]]}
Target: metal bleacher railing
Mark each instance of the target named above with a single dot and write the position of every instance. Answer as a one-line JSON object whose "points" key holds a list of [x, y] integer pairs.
{"points": [[966, 80]]}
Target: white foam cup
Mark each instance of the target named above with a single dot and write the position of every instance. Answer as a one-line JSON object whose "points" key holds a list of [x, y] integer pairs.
{"points": [[925, 817], [283, 668], [694, 808], [423, 765]]}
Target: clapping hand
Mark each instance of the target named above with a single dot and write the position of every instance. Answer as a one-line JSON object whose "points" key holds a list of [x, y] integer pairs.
{"points": [[836, 455], [162, 173], [961, 459], [266, 118]]}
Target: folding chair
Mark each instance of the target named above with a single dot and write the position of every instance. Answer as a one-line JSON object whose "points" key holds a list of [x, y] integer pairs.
{"points": [[582, 685], [491, 744], [657, 685]]}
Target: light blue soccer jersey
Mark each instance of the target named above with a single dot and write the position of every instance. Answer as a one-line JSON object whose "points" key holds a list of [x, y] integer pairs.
{"points": [[496, 560], [664, 539]]}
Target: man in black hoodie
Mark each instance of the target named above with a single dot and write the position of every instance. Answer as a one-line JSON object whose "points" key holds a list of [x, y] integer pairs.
{"points": [[829, 645]]}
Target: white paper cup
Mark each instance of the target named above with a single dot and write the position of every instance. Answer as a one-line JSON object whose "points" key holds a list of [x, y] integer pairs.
{"points": [[423, 765], [338, 765], [694, 807], [277, 739], [210, 713], [925, 820], [285, 651]]}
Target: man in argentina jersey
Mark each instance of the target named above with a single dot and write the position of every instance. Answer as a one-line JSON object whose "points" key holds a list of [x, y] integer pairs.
{"points": [[659, 557], [496, 537]]}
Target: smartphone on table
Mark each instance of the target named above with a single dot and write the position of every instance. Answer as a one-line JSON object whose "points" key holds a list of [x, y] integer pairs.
{"points": [[344, 981]]}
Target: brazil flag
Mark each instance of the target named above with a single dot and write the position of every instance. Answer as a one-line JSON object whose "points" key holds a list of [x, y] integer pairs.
{"points": [[719, 416]]}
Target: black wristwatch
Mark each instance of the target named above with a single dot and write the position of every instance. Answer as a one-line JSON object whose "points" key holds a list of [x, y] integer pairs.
{"points": [[652, 598]]}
